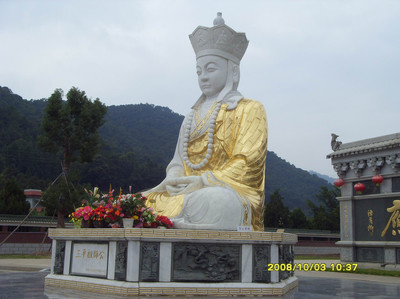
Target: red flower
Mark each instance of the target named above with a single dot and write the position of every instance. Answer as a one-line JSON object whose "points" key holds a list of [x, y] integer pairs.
{"points": [[164, 221]]}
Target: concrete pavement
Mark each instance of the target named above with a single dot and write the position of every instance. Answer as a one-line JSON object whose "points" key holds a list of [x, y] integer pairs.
{"points": [[24, 278], [342, 275], [24, 264], [42, 264]]}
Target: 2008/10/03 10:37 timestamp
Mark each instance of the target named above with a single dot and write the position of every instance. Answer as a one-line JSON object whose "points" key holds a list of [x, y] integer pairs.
{"points": [[313, 267]]}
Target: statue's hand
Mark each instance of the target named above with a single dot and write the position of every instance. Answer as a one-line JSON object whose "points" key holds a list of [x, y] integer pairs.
{"points": [[175, 189], [183, 185]]}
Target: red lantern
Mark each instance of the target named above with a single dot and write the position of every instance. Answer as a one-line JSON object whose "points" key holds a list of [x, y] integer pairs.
{"points": [[338, 182], [378, 179], [359, 187]]}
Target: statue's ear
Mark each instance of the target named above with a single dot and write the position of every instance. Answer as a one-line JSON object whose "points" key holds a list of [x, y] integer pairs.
{"points": [[236, 73]]}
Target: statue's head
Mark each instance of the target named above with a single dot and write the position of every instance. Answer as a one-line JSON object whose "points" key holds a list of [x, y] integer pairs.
{"points": [[219, 50]]}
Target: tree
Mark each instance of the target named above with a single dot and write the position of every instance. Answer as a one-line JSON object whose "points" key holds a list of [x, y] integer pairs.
{"points": [[61, 196], [326, 215], [12, 199], [298, 219], [70, 128], [276, 213]]}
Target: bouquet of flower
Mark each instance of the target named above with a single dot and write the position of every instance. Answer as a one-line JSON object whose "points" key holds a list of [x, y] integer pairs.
{"points": [[147, 218], [164, 221], [99, 213], [82, 213], [131, 204], [107, 209], [91, 196], [113, 213]]}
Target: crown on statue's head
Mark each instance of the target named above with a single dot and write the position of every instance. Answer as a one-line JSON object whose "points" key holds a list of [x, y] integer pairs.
{"points": [[220, 40]]}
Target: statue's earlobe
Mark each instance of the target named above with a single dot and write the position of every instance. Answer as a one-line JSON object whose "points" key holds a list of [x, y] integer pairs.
{"points": [[236, 74]]}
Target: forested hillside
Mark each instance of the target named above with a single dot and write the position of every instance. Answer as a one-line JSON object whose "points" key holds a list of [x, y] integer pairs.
{"points": [[138, 141], [295, 185]]}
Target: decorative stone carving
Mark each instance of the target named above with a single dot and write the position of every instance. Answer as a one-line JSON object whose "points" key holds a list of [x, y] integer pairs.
{"points": [[59, 258], [358, 166], [341, 169], [286, 256], [261, 260], [376, 163], [150, 261], [334, 143], [394, 161], [120, 261], [206, 262]]}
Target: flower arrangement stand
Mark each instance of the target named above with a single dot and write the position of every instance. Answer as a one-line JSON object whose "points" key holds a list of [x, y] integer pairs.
{"points": [[127, 222]]}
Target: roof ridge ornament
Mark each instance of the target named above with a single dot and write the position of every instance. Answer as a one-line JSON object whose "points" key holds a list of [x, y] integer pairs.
{"points": [[334, 143]]}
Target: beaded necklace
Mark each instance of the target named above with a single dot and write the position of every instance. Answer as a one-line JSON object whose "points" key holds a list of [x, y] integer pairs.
{"points": [[212, 115], [201, 123]]}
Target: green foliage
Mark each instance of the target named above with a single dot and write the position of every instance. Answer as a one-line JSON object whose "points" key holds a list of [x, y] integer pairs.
{"points": [[63, 196], [71, 126], [12, 199], [298, 219], [294, 184], [276, 213], [20, 156], [326, 215]]}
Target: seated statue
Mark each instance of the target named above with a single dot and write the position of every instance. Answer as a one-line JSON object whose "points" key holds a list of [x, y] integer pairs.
{"points": [[215, 180]]}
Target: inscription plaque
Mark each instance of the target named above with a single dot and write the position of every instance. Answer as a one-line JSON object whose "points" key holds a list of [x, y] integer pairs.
{"points": [[377, 219], [89, 259]]}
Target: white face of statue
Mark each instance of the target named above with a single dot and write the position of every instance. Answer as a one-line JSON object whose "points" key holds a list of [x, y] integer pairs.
{"points": [[212, 72]]}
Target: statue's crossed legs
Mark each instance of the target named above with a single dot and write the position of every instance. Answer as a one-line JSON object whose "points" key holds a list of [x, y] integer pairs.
{"points": [[215, 208]]}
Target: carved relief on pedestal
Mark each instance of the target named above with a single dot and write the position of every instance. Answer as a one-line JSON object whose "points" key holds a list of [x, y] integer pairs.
{"points": [[59, 257], [394, 161], [286, 256], [120, 260], [206, 262], [261, 260], [358, 166], [150, 260]]}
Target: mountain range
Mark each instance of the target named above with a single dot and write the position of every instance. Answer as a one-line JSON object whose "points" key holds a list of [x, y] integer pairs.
{"points": [[138, 141]]}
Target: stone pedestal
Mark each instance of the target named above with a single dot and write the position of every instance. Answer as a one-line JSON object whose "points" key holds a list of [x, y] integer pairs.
{"points": [[140, 262]]}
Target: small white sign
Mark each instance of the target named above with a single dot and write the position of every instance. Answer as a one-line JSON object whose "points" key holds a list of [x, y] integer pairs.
{"points": [[244, 228], [89, 259]]}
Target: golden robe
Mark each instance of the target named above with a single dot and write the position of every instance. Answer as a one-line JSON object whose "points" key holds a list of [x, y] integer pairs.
{"points": [[237, 160]]}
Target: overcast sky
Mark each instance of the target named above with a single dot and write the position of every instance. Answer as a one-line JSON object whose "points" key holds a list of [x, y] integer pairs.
{"points": [[319, 67]]}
